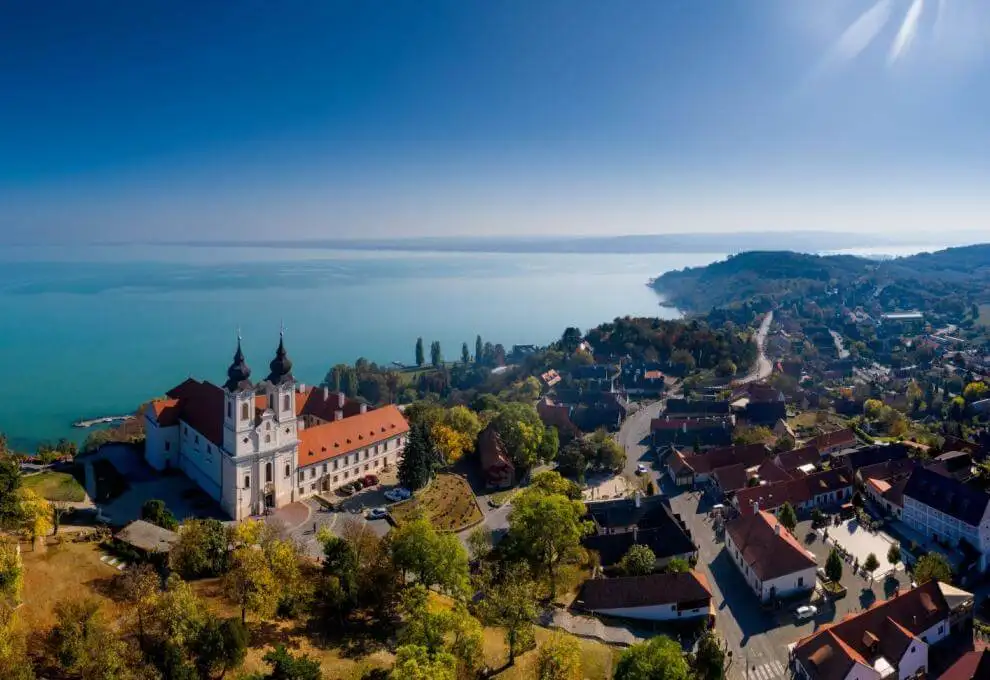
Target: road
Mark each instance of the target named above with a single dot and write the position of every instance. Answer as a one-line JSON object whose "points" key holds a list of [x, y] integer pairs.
{"points": [[763, 367]]}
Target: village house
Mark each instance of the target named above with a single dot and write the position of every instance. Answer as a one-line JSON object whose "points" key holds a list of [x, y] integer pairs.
{"points": [[689, 432], [772, 562], [496, 464], [884, 483], [891, 639], [696, 408], [833, 442], [946, 510], [252, 446], [642, 379], [655, 597], [624, 522], [689, 469], [799, 461], [973, 665], [828, 488], [855, 459]]}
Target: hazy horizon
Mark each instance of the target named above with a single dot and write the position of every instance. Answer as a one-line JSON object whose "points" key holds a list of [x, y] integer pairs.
{"points": [[174, 121]]}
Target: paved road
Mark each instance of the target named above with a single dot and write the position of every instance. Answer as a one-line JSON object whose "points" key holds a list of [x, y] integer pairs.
{"points": [[763, 367], [634, 437]]}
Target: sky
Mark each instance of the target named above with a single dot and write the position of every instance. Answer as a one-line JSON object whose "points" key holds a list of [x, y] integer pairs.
{"points": [[175, 120]]}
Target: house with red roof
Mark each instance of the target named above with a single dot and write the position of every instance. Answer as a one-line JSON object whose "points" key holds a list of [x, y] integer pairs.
{"points": [[773, 562], [253, 446]]}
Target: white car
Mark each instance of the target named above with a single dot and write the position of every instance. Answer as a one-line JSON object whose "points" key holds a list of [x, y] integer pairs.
{"points": [[377, 513], [805, 612], [640, 469]]}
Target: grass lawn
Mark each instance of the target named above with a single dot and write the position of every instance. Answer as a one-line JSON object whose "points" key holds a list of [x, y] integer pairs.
{"points": [[448, 503], [56, 486], [817, 419]]}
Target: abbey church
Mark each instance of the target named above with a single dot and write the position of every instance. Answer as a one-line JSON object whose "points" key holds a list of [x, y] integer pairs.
{"points": [[253, 446]]}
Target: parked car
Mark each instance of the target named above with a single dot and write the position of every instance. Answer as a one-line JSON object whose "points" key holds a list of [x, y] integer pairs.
{"points": [[370, 480], [377, 513], [640, 469], [357, 484], [345, 490], [398, 494], [805, 612]]}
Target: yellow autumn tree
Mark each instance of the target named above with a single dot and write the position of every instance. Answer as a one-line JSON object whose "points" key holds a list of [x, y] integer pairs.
{"points": [[36, 514]]}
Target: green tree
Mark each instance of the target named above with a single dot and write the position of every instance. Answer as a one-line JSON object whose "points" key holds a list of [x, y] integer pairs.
{"points": [[479, 350], [420, 358], [752, 435], [419, 460], [220, 647], [444, 630], [659, 658], [480, 542], [894, 554], [523, 434], [175, 614], [787, 516], [465, 354], [10, 486], [639, 560], [433, 558], [11, 573], [547, 530], [873, 409], [572, 461], [975, 391], [413, 662], [608, 453], [551, 482], [285, 666], [712, 660], [784, 443], [138, 585], [871, 564], [436, 356], [932, 566], [833, 566], [725, 368], [677, 565], [84, 644], [250, 583], [559, 658], [156, 512], [508, 600], [202, 549]]}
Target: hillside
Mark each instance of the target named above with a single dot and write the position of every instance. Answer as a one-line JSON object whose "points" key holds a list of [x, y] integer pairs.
{"points": [[760, 276]]}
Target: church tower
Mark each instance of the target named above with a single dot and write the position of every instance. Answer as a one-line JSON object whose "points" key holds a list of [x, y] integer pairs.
{"points": [[280, 392], [238, 396]]}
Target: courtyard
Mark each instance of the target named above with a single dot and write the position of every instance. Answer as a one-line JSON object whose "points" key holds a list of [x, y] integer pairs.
{"points": [[858, 542]]}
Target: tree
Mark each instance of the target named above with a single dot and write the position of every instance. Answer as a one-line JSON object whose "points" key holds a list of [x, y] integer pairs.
{"points": [[59, 510], [787, 516], [138, 585], [871, 564], [784, 443], [14, 661], [419, 460], [608, 453], [11, 573], [725, 368], [677, 565], [420, 359], [10, 486], [711, 661], [413, 662], [250, 583], [433, 558], [932, 566], [156, 512], [436, 356], [508, 600], [572, 460], [479, 350], [547, 529], [465, 354], [833, 566], [975, 391], [175, 614], [559, 658], [894, 554], [441, 630], [639, 560], [523, 432], [220, 647], [480, 543], [202, 549], [83, 644], [659, 658], [285, 666], [551, 482], [35, 513], [873, 409], [752, 435]]}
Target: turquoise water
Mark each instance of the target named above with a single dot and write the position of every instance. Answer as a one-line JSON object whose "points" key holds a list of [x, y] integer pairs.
{"points": [[94, 331]]}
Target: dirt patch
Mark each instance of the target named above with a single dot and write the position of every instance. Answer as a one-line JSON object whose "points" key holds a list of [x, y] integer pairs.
{"points": [[448, 503]]}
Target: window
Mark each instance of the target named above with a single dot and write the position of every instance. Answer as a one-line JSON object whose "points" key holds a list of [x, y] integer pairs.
{"points": [[346, 474], [285, 403], [366, 454], [312, 487], [800, 581], [312, 473], [941, 629], [365, 467], [377, 462], [302, 475], [271, 401], [335, 479], [288, 472], [268, 439], [244, 411], [268, 472], [268, 426], [247, 481], [196, 440], [230, 410], [336, 464], [324, 468]]}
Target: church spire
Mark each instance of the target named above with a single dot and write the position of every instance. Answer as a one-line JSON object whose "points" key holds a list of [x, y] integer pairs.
{"points": [[239, 374], [281, 365]]}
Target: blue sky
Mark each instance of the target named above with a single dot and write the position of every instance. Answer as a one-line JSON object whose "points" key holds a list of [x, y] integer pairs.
{"points": [[254, 119]]}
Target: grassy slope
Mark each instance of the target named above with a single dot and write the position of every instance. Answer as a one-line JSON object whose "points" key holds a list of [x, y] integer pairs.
{"points": [[56, 486]]}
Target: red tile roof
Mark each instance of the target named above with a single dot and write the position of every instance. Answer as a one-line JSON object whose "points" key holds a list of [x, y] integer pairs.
{"points": [[731, 477], [167, 412], [200, 406], [748, 455], [644, 591], [792, 460], [495, 461], [323, 442], [767, 546], [795, 492], [973, 665], [885, 629], [831, 440], [323, 404]]}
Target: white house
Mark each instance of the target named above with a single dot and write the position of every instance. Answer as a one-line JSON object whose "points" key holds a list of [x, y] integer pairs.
{"points": [[655, 597], [944, 508], [256, 446], [889, 640], [771, 560]]}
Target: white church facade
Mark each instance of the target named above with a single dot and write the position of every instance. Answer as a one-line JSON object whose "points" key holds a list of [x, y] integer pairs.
{"points": [[253, 446]]}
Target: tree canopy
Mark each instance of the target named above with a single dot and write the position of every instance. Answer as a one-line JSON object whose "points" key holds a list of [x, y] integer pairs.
{"points": [[659, 658]]}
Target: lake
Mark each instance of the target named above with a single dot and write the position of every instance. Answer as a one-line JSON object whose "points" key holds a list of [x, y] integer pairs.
{"points": [[93, 331]]}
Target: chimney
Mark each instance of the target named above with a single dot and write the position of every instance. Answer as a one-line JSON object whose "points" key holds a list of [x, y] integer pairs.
{"points": [[364, 407], [341, 399], [756, 507], [302, 387], [300, 425], [338, 414], [326, 394], [776, 528]]}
